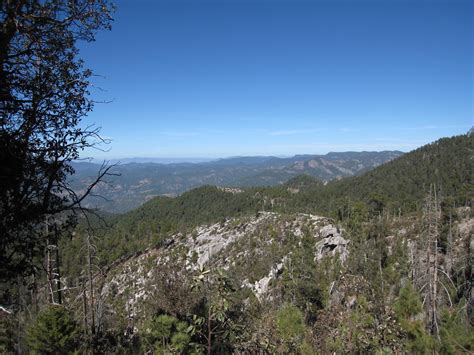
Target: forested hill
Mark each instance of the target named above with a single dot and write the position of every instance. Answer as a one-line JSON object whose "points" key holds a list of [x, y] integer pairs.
{"points": [[401, 183]]}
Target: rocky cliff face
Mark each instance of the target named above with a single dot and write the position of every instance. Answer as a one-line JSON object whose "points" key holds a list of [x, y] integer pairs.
{"points": [[255, 250]]}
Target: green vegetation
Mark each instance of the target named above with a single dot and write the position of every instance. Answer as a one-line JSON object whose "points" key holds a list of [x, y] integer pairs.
{"points": [[154, 222], [166, 334], [396, 188], [290, 327], [265, 291], [388, 269], [54, 332], [407, 307], [137, 182]]}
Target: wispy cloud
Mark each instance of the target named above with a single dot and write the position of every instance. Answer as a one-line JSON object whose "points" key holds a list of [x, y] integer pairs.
{"points": [[179, 134], [322, 147], [291, 132], [433, 127], [348, 129]]}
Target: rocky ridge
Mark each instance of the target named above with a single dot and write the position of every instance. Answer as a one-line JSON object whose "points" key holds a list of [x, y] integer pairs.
{"points": [[254, 249]]}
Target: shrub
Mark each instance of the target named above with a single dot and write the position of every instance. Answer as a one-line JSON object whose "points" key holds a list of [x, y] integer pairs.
{"points": [[166, 333], [54, 332], [290, 326], [407, 307]]}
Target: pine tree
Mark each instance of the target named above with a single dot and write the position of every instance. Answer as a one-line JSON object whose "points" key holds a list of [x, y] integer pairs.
{"points": [[54, 332]]}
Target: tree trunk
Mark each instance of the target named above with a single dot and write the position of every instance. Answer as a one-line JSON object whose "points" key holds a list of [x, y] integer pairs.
{"points": [[91, 283], [432, 216], [209, 332], [58, 276], [84, 308], [49, 265]]}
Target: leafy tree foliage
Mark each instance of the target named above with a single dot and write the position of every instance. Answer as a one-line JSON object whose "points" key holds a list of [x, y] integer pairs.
{"points": [[456, 335], [43, 97], [217, 323]]}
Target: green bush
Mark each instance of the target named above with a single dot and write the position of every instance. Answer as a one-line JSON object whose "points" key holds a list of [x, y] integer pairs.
{"points": [[457, 335], [166, 334], [407, 307], [290, 326], [408, 303], [54, 332]]}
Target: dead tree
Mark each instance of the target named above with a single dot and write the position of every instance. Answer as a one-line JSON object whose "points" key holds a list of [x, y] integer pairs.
{"points": [[432, 281], [432, 215], [90, 250], [53, 270], [93, 304]]}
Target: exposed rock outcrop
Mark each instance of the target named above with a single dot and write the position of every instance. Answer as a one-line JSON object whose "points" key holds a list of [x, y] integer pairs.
{"points": [[261, 286], [332, 244], [254, 249]]}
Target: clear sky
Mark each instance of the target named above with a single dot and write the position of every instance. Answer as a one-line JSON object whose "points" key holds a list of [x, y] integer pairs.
{"points": [[223, 78]]}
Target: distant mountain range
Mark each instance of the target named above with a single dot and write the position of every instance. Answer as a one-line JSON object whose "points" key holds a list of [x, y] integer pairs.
{"points": [[138, 182], [157, 160]]}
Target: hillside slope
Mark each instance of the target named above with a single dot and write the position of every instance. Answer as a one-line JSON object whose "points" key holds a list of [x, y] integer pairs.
{"points": [[349, 293], [401, 183]]}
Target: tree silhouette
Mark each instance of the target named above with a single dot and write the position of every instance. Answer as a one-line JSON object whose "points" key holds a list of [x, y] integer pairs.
{"points": [[43, 98]]}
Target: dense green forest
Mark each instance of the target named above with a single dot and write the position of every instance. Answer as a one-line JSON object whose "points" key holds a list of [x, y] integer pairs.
{"points": [[401, 184]]}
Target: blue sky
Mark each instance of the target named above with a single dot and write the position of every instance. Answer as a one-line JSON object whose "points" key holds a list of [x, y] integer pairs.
{"points": [[224, 78]]}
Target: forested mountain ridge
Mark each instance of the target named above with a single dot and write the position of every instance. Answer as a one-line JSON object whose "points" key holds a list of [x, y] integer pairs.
{"points": [[283, 281], [401, 183], [343, 253], [138, 182]]}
